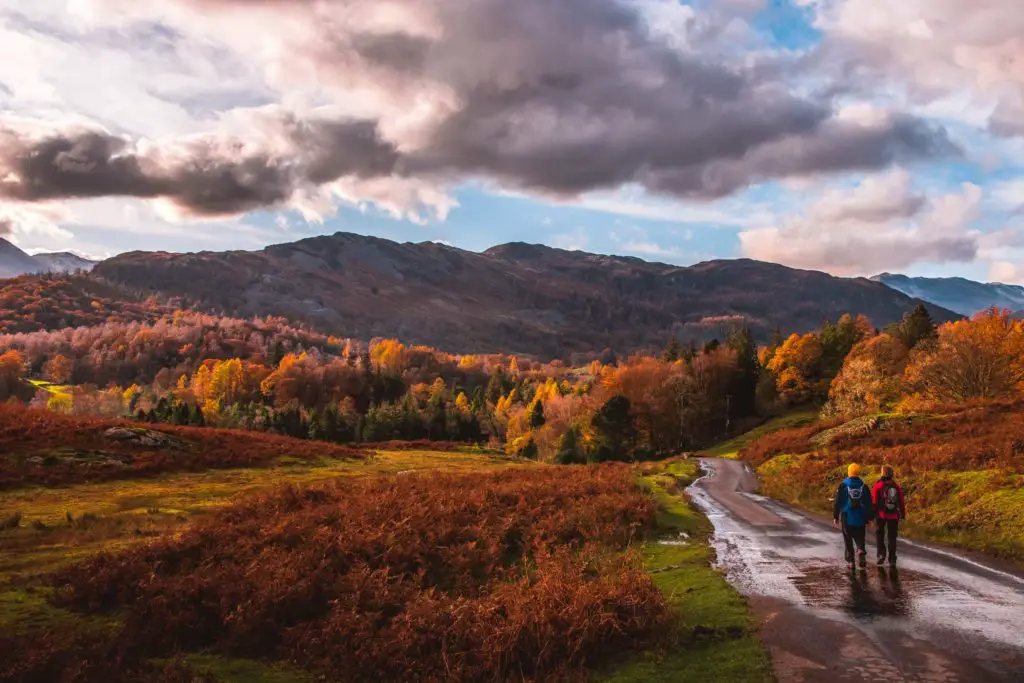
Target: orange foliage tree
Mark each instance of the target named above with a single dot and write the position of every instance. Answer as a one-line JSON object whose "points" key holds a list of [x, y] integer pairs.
{"points": [[978, 358]]}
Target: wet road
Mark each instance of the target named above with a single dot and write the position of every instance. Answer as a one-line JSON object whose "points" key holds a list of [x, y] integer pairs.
{"points": [[938, 617]]}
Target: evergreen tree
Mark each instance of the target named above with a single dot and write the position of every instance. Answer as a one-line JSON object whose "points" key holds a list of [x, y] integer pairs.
{"points": [[916, 327], [530, 450], [180, 414], [712, 346], [569, 452], [537, 418], [196, 417], [744, 387], [614, 426]]}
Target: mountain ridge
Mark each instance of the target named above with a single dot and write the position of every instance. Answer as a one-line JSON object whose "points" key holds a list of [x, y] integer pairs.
{"points": [[514, 298], [958, 294]]}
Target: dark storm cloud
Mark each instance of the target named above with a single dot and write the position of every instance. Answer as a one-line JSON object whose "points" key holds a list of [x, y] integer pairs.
{"points": [[557, 97], [202, 178]]}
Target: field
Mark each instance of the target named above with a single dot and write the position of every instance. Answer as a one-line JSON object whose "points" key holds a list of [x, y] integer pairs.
{"points": [[410, 564], [962, 470]]}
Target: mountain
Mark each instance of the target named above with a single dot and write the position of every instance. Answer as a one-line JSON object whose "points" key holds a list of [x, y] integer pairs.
{"points": [[14, 262], [515, 298], [63, 262], [956, 293]]}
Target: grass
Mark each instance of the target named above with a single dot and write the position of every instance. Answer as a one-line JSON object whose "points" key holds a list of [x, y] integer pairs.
{"points": [[715, 638], [731, 448], [229, 670]]}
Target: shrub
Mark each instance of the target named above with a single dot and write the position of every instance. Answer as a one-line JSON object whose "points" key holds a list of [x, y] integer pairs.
{"points": [[516, 574]]}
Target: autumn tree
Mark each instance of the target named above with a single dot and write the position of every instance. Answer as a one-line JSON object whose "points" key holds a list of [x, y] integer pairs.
{"points": [[797, 366], [12, 371], [58, 369], [978, 358], [871, 377]]}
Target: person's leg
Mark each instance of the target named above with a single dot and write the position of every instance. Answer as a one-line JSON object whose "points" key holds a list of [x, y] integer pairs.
{"points": [[847, 539], [893, 533], [880, 526], [860, 537]]}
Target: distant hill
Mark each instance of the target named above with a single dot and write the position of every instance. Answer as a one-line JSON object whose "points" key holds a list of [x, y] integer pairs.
{"points": [[14, 262], [966, 297], [63, 262], [515, 298]]}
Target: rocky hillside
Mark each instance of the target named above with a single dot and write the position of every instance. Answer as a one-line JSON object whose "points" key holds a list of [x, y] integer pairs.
{"points": [[515, 298]]}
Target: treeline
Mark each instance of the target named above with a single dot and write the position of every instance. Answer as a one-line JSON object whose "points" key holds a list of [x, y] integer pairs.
{"points": [[915, 365], [265, 375]]}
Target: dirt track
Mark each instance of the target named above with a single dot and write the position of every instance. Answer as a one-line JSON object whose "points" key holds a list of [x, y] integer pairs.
{"points": [[938, 617]]}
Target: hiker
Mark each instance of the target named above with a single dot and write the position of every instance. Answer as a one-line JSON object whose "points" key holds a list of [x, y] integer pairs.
{"points": [[887, 497], [852, 510]]}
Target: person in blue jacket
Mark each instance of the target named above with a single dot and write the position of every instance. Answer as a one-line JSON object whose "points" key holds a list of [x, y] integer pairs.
{"points": [[852, 510]]}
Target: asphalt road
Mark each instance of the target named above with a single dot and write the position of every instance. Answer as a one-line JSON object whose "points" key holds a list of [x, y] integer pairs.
{"points": [[937, 617]]}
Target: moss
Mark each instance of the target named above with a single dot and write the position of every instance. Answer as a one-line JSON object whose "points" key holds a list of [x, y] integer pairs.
{"points": [[715, 637], [228, 670], [28, 610]]}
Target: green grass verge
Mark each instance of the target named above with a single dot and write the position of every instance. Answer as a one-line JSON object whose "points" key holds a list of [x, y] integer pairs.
{"points": [[980, 510], [715, 638], [732, 447]]}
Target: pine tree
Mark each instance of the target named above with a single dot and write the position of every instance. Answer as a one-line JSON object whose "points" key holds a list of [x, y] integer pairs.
{"points": [[744, 387], [530, 450], [180, 414], [569, 452], [537, 418], [196, 417]]}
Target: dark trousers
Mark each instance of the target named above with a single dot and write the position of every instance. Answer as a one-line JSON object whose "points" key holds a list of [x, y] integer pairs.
{"points": [[886, 531], [853, 535]]}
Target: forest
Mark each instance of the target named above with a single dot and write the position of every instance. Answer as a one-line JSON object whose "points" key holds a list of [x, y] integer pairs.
{"points": [[263, 374]]}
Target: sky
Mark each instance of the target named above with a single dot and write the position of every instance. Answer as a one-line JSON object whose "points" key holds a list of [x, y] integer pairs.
{"points": [[849, 136]]}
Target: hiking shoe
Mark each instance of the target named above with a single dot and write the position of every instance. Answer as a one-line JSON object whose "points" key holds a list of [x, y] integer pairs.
{"points": [[892, 562], [881, 561], [862, 559]]}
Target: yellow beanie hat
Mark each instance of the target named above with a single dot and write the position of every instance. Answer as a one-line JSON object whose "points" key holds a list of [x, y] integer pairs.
{"points": [[853, 470]]}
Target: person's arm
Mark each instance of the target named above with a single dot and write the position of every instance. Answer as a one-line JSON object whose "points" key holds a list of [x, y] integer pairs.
{"points": [[838, 504], [876, 492], [871, 508]]}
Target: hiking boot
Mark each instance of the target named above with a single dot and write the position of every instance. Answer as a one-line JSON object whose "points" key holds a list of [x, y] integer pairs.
{"points": [[881, 560], [892, 562], [862, 558]]}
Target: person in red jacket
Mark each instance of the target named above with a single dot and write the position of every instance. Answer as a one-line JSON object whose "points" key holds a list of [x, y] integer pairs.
{"points": [[887, 499]]}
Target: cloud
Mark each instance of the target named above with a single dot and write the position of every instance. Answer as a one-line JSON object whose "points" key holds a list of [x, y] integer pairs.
{"points": [[929, 49], [203, 176], [6, 227], [880, 225], [391, 102]]}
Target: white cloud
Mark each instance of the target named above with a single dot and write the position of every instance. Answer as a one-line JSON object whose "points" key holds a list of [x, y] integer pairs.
{"points": [[881, 224]]}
